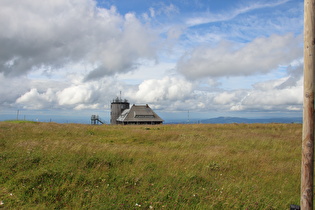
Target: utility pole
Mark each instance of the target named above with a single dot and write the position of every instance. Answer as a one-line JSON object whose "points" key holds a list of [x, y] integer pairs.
{"points": [[307, 166]]}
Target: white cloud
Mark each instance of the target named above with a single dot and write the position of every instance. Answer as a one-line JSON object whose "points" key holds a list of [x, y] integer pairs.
{"points": [[211, 17], [226, 98], [170, 9], [35, 100], [168, 93], [288, 96], [88, 107], [175, 32], [162, 90], [270, 85], [275, 97], [74, 95], [68, 95], [229, 59], [52, 34], [164, 9], [152, 12], [147, 71]]}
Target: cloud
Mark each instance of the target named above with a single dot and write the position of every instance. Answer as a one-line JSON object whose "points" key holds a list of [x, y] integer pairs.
{"points": [[75, 94], [229, 59], [68, 95], [164, 9], [169, 10], [225, 98], [272, 95], [268, 96], [162, 90], [98, 94], [237, 10], [35, 100], [288, 96], [56, 33], [171, 93], [11, 90]]}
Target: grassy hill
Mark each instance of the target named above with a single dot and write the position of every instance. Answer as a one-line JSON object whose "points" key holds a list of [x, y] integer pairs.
{"points": [[197, 166]]}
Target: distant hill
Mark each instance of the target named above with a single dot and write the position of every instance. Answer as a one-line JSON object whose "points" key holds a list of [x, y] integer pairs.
{"points": [[223, 120]]}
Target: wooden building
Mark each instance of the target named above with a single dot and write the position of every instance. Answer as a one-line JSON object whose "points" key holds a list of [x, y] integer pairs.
{"points": [[139, 115]]}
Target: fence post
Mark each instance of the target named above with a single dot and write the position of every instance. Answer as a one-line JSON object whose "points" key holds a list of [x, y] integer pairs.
{"points": [[307, 166]]}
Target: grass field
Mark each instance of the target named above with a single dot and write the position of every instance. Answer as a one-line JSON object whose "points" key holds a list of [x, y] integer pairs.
{"points": [[198, 166]]}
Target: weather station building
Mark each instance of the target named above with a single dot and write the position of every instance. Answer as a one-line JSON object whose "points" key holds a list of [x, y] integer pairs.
{"points": [[136, 115], [117, 107]]}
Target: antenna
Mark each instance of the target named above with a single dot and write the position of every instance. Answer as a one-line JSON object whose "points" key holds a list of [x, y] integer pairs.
{"points": [[120, 95], [17, 114]]}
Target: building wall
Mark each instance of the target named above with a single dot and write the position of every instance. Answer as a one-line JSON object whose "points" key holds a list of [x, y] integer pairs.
{"points": [[141, 123]]}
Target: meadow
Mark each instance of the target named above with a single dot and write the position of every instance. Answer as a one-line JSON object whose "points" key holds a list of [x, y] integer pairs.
{"points": [[184, 166]]}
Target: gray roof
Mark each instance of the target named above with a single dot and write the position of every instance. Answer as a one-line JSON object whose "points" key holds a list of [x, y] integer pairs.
{"points": [[139, 113]]}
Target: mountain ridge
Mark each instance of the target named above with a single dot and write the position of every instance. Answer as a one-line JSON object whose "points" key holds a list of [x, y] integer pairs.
{"points": [[223, 120]]}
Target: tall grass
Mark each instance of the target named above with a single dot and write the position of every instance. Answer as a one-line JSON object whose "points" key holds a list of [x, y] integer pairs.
{"points": [[201, 166]]}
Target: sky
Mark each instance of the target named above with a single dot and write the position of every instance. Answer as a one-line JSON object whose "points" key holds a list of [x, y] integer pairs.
{"points": [[198, 59]]}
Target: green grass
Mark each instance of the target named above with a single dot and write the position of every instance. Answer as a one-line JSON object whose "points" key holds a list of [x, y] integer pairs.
{"points": [[200, 166], [19, 121]]}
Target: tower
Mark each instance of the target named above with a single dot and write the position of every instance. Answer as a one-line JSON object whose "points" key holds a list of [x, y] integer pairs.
{"points": [[117, 107]]}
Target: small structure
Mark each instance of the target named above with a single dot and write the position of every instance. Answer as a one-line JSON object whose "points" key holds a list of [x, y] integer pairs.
{"points": [[117, 107], [139, 114], [95, 120]]}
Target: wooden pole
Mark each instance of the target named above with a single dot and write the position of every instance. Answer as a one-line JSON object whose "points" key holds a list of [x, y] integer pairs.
{"points": [[307, 167]]}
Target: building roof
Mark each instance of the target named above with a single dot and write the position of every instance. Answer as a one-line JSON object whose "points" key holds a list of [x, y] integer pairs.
{"points": [[139, 113]]}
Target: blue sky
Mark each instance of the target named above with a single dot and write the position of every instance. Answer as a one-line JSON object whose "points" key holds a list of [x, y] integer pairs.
{"points": [[211, 58]]}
